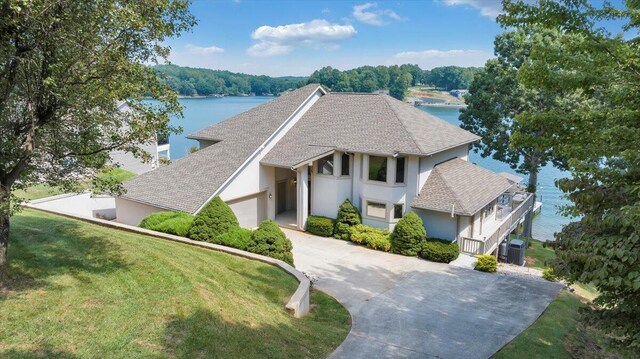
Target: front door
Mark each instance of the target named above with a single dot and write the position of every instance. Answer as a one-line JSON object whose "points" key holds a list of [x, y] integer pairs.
{"points": [[281, 195]]}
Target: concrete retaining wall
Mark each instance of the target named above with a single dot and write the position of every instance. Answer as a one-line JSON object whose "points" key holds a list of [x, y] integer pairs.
{"points": [[298, 304]]}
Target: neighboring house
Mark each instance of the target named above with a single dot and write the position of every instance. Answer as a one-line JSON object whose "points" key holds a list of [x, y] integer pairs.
{"points": [[159, 151], [307, 151]]}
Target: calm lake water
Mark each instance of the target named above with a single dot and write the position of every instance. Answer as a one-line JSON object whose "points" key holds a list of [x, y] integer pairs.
{"points": [[202, 112]]}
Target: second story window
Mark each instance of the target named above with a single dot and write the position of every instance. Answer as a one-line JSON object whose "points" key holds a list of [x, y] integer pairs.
{"points": [[345, 164], [325, 165], [400, 161], [377, 168]]}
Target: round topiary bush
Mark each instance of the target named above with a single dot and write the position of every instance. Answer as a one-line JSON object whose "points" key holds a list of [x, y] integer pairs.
{"points": [[237, 238], [348, 216], [171, 222], [439, 250], [216, 218], [408, 235], [320, 226], [269, 240], [487, 263]]}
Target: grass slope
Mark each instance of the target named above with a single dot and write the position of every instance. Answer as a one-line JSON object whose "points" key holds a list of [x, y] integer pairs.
{"points": [[78, 290]]}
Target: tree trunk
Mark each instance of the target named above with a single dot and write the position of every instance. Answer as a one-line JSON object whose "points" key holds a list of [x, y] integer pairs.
{"points": [[531, 188], [4, 224]]}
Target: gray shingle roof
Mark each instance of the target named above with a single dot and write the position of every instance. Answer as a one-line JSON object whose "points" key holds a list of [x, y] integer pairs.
{"points": [[461, 184], [511, 177], [188, 183], [367, 123]]}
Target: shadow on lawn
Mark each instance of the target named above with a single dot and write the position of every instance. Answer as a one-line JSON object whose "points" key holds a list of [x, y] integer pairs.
{"points": [[44, 351], [41, 247]]}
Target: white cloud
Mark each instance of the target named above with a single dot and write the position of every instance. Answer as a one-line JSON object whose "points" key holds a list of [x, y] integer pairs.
{"points": [[199, 50], [488, 8], [428, 59], [283, 39], [370, 14], [326, 10]]}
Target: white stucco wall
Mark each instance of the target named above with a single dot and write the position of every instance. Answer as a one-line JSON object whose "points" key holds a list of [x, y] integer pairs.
{"points": [[438, 224], [131, 213], [82, 204]]}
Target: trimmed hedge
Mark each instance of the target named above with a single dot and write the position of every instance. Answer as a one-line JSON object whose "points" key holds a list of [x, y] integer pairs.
{"points": [[237, 238], [408, 235], [269, 240], [348, 216], [215, 219], [549, 275], [172, 222], [439, 250], [321, 226], [374, 238], [487, 263]]}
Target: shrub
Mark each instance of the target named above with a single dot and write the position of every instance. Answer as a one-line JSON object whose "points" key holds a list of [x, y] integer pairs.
{"points": [[237, 238], [269, 240], [321, 226], [374, 238], [172, 222], [348, 216], [549, 275], [215, 219], [408, 235], [487, 263], [439, 250]]}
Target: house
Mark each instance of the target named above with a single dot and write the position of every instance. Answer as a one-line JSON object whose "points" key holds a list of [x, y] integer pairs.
{"points": [[159, 150], [307, 151]]}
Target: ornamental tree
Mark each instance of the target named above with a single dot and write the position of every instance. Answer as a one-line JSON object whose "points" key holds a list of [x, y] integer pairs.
{"points": [[65, 66]]}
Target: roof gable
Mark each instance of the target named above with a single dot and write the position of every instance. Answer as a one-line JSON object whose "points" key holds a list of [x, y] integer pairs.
{"points": [[460, 186]]}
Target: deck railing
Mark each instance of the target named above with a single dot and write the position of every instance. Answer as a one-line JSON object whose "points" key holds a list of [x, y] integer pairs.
{"points": [[489, 243]]}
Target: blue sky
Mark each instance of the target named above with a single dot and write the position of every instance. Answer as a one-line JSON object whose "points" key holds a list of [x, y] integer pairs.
{"points": [[297, 37]]}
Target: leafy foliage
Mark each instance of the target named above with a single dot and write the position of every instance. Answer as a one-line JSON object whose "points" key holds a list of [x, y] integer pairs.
{"points": [[237, 238], [348, 216], [408, 235], [321, 226], [65, 69], [439, 250], [269, 240], [549, 275], [171, 222], [374, 238], [451, 77], [215, 219], [595, 132], [487, 263], [189, 81]]}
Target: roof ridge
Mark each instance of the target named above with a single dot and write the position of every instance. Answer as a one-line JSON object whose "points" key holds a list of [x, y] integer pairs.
{"points": [[415, 142]]}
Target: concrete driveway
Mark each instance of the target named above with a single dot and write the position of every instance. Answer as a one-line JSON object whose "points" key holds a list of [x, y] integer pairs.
{"points": [[410, 308]]}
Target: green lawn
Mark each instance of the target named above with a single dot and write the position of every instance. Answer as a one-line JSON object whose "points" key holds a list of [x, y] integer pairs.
{"points": [[44, 190], [538, 255], [73, 289]]}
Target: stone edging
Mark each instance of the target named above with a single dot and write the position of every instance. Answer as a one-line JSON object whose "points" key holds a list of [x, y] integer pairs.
{"points": [[298, 304]]}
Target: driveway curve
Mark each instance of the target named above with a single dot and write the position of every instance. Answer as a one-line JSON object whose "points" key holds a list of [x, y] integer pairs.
{"points": [[405, 307]]}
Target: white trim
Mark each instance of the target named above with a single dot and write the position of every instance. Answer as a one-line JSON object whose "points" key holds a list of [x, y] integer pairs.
{"points": [[262, 146]]}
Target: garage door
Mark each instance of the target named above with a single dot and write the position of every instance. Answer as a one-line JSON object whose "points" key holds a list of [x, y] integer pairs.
{"points": [[250, 210]]}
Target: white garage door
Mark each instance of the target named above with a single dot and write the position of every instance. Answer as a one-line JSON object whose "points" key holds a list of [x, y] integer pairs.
{"points": [[250, 210]]}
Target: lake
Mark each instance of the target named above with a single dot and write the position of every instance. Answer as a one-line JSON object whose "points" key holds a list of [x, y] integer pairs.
{"points": [[202, 112]]}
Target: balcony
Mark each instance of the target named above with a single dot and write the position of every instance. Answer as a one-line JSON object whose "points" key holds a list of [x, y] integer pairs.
{"points": [[507, 220]]}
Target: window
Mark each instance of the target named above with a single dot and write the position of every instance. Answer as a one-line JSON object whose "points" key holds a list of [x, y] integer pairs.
{"points": [[488, 210], [325, 165], [377, 168], [375, 209], [400, 169], [398, 210], [345, 164]]}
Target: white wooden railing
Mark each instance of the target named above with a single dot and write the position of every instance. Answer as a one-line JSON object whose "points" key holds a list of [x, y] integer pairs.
{"points": [[489, 243]]}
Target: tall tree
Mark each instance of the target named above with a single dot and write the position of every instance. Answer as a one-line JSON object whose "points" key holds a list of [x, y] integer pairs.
{"points": [[499, 110], [65, 66], [596, 132]]}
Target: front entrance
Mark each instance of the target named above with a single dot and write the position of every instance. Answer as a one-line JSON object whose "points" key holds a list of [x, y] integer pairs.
{"points": [[286, 198], [281, 195]]}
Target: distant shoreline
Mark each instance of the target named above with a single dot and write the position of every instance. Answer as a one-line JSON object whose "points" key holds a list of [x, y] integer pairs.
{"points": [[442, 105]]}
